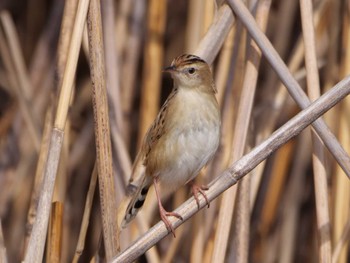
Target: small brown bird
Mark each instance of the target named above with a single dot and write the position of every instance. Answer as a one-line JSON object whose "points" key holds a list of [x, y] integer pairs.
{"points": [[183, 138]]}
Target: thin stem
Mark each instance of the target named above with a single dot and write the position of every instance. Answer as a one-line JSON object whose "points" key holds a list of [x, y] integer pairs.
{"points": [[318, 156], [102, 130]]}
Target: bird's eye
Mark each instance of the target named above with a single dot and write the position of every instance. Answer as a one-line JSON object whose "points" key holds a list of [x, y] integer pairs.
{"points": [[191, 70]]}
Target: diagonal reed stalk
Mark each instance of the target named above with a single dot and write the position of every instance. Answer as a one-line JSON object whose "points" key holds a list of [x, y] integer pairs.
{"points": [[239, 169]]}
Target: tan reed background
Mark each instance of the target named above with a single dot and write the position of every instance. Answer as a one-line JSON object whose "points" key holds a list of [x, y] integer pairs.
{"points": [[81, 81]]}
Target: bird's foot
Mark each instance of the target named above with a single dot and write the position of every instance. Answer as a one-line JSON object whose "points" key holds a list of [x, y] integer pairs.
{"points": [[164, 216], [196, 189]]}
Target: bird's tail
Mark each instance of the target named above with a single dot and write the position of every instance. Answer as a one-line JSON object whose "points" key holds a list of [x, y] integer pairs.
{"points": [[137, 200]]}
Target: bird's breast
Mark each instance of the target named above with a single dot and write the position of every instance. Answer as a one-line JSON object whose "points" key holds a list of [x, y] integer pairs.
{"points": [[191, 139]]}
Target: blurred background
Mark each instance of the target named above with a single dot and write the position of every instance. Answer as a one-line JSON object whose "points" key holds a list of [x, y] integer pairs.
{"points": [[282, 222]]}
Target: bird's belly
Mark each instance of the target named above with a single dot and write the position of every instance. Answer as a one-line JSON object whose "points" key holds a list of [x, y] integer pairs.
{"points": [[187, 152]]}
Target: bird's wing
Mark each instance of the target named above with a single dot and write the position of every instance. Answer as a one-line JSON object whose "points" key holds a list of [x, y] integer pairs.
{"points": [[154, 133], [157, 129]]}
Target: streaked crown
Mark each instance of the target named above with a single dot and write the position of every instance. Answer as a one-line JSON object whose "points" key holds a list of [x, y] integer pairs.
{"points": [[187, 59], [190, 71]]}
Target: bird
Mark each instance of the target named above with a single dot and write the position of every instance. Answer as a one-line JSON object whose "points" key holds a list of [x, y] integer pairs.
{"points": [[183, 138]]}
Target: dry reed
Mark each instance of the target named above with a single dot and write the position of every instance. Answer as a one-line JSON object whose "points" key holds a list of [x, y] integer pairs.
{"points": [[61, 185]]}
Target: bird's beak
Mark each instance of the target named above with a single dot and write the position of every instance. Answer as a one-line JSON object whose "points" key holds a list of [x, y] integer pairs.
{"points": [[170, 69]]}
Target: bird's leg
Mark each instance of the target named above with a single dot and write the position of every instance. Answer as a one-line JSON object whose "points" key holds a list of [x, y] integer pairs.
{"points": [[163, 213], [199, 189]]}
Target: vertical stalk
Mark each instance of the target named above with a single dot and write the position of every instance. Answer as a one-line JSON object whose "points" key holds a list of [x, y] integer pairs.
{"points": [[55, 234], [102, 130], [318, 155]]}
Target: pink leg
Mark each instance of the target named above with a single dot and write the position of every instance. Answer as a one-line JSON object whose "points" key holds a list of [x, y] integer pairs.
{"points": [[163, 213], [199, 189]]}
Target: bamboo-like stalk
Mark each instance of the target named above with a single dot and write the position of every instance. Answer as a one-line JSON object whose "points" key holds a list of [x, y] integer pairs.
{"points": [[55, 234], [102, 133], [341, 190], [291, 84], [341, 186], [67, 24], [240, 168], [65, 159], [62, 172], [39, 173], [318, 156], [37, 239]]}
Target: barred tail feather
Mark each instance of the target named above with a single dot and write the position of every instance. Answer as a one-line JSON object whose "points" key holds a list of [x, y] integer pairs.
{"points": [[137, 201]]}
